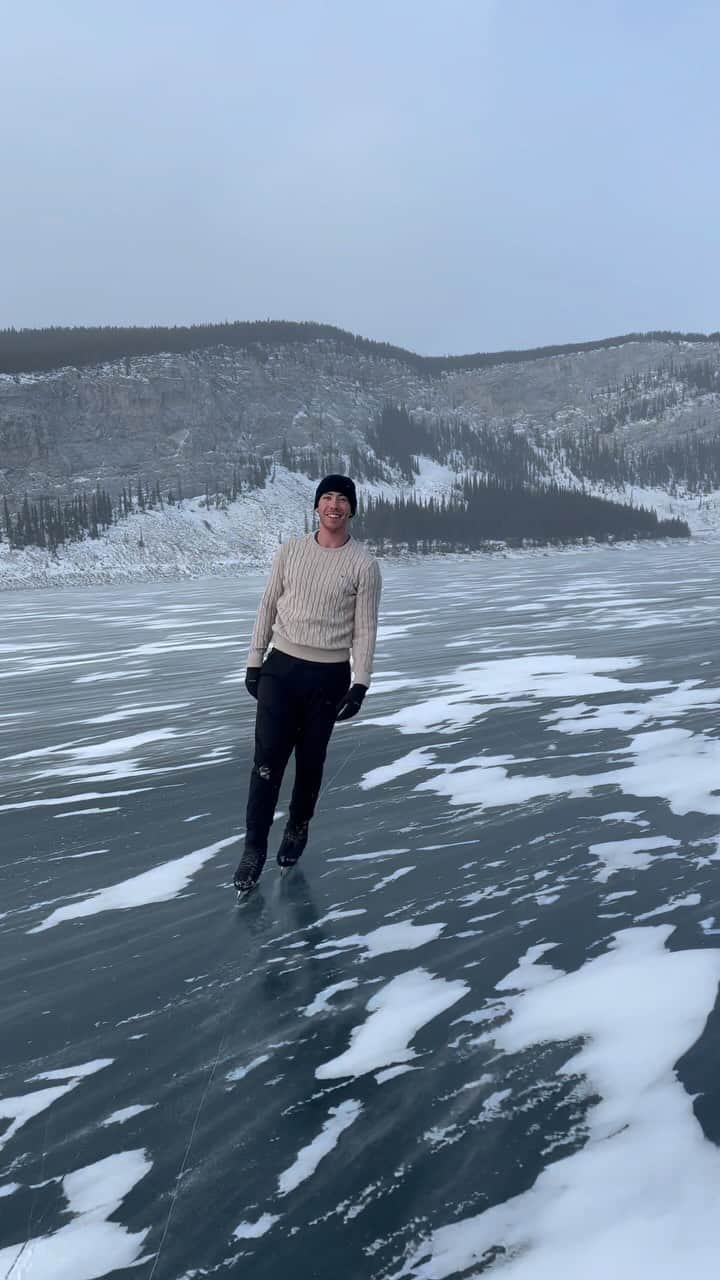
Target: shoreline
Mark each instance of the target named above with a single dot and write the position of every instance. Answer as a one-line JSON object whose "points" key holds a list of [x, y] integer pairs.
{"points": [[115, 576]]}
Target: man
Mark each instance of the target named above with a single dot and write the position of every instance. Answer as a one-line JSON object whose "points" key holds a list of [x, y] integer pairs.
{"points": [[320, 606]]}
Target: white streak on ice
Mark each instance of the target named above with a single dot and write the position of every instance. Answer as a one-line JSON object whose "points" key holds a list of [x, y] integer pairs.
{"points": [[76, 813], [394, 875], [320, 1003], [397, 1012], [340, 915], [391, 1072], [127, 1113], [112, 675], [369, 857], [131, 713], [78, 1073], [100, 750], [26, 1106], [240, 1072], [87, 795], [251, 1230], [160, 884], [309, 1157], [414, 760]]}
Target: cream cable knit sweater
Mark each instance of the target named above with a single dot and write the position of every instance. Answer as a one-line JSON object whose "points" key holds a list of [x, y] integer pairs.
{"points": [[320, 603]]}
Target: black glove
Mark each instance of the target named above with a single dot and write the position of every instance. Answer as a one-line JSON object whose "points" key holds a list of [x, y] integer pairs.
{"points": [[252, 678], [351, 703]]}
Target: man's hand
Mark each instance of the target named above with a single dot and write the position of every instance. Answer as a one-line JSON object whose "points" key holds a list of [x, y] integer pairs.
{"points": [[351, 703], [252, 677]]}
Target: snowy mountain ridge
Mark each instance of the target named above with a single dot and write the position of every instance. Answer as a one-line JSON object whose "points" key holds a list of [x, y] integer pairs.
{"points": [[190, 421], [184, 419]]}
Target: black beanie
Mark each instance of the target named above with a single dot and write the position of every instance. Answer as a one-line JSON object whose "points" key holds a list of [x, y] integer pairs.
{"points": [[338, 484]]}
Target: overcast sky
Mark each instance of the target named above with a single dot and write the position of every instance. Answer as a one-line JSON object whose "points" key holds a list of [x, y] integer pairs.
{"points": [[448, 175]]}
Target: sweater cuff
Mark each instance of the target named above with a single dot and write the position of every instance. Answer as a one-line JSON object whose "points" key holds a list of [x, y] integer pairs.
{"points": [[255, 658]]}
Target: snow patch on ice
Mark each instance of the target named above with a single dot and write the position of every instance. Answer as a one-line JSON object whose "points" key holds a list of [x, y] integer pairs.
{"points": [[160, 884], [309, 1157], [638, 1008], [253, 1230], [90, 1246], [24, 1107], [397, 1012], [633, 855], [402, 936], [128, 1113], [239, 1073], [320, 1003], [473, 691]]}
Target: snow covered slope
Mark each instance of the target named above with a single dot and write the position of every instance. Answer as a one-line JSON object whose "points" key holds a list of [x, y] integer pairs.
{"points": [[189, 540]]}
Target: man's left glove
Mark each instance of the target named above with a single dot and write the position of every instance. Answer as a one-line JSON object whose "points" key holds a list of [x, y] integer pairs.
{"points": [[351, 703], [252, 678]]}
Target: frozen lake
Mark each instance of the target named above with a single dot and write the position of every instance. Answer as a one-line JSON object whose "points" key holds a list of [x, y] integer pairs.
{"points": [[476, 1028]]}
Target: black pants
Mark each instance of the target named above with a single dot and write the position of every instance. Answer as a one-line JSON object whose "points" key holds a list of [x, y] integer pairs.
{"points": [[297, 701]]}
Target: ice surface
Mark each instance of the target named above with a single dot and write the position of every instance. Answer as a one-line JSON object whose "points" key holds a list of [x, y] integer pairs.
{"points": [[523, 801]]}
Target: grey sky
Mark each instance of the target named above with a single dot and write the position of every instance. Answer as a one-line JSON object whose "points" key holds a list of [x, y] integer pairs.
{"points": [[449, 175]]}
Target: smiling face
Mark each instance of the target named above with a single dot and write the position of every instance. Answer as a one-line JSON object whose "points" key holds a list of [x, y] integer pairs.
{"points": [[334, 512]]}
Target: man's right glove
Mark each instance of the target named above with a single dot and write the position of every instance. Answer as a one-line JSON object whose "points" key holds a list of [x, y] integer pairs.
{"points": [[252, 679], [351, 703]]}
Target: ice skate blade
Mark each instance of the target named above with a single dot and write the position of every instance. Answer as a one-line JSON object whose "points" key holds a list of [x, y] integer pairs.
{"points": [[243, 894]]}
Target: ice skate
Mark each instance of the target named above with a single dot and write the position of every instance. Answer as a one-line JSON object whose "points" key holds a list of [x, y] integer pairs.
{"points": [[248, 871], [292, 845]]}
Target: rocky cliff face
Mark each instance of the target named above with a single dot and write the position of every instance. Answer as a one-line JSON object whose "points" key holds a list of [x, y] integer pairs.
{"points": [[189, 418]]}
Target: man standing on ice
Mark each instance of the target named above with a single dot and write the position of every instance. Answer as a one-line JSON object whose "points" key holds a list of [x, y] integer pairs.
{"points": [[320, 606]]}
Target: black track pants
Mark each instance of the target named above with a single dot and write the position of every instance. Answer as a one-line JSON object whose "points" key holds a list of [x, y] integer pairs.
{"points": [[297, 701]]}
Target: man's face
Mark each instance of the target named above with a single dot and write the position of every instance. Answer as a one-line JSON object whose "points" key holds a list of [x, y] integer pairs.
{"points": [[333, 511]]}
